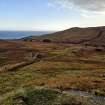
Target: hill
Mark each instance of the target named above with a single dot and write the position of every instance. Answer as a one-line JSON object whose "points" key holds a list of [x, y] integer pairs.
{"points": [[76, 35], [74, 69]]}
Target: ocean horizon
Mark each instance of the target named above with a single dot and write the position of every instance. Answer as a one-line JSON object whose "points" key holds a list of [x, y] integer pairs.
{"points": [[21, 34]]}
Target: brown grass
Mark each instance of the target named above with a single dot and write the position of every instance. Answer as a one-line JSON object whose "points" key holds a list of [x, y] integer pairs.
{"points": [[59, 68]]}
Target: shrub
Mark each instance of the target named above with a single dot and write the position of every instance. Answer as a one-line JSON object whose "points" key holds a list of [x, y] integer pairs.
{"points": [[46, 40], [32, 97]]}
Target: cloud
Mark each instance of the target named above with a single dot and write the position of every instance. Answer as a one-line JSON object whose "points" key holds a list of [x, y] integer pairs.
{"points": [[85, 5], [49, 4]]}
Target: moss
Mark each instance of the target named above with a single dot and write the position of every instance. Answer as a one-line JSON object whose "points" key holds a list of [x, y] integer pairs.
{"points": [[41, 97], [31, 97]]}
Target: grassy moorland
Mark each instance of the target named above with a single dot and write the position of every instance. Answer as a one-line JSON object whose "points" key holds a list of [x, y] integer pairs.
{"points": [[89, 35], [59, 66]]}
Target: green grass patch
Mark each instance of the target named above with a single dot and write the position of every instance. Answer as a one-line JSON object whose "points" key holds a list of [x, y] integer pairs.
{"points": [[32, 97]]}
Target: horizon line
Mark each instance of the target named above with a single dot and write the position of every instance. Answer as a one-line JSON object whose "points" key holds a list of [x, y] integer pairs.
{"points": [[32, 30], [50, 30]]}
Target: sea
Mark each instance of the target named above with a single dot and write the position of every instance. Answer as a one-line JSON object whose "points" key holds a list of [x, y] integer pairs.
{"points": [[21, 34]]}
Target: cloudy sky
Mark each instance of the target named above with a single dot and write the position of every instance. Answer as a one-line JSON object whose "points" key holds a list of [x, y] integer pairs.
{"points": [[50, 14]]}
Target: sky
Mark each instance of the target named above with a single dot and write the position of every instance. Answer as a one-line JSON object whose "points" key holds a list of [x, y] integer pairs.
{"points": [[51, 15]]}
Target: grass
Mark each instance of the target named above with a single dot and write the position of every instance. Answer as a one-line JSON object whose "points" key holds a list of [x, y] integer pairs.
{"points": [[52, 75], [31, 96], [42, 96], [59, 68]]}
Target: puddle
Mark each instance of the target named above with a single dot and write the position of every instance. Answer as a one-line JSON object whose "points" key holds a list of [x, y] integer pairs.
{"points": [[98, 100]]}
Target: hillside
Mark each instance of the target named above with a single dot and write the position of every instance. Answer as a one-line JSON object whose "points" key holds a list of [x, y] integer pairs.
{"points": [[36, 73], [76, 35]]}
